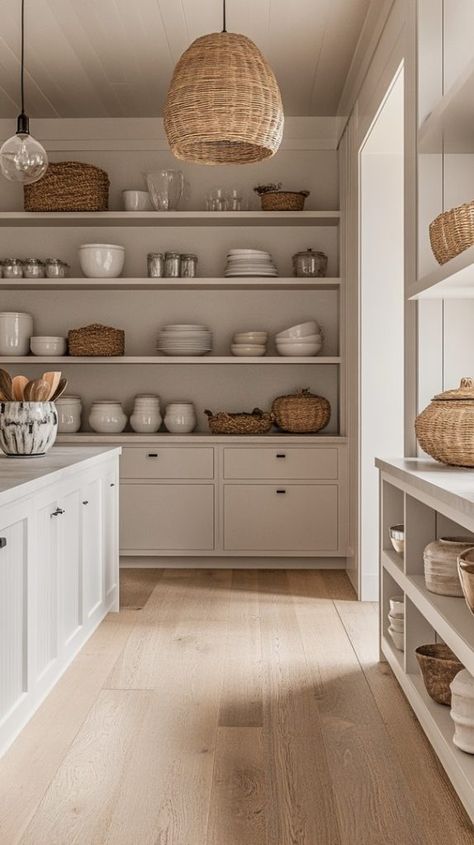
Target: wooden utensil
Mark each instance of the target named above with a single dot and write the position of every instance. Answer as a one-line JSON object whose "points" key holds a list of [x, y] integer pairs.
{"points": [[53, 378], [37, 390], [6, 386], [60, 389], [18, 386]]}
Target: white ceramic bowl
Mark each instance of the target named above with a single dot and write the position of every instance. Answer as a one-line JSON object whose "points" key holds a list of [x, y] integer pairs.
{"points": [[241, 351], [250, 337], [43, 345], [300, 341], [397, 623], [137, 201], [301, 330], [101, 261], [397, 606], [397, 638], [289, 350]]}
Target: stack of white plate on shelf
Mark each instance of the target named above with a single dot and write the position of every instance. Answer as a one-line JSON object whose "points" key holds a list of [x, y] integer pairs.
{"points": [[250, 262], [184, 339], [396, 618], [249, 344], [305, 339]]}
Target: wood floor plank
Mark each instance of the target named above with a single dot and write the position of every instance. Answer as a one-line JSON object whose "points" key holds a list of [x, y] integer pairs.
{"points": [[360, 754], [439, 812], [136, 586], [238, 799], [302, 807]]}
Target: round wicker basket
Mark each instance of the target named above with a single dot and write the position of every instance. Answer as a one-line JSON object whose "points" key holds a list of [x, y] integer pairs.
{"points": [[452, 232], [69, 186], [445, 429], [258, 422], [224, 105], [439, 666], [301, 412], [96, 340], [283, 200]]}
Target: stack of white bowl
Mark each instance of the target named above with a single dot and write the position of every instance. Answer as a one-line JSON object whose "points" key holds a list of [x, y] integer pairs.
{"points": [[184, 339], [396, 618], [250, 262], [249, 344], [180, 417], [146, 416], [304, 339]]}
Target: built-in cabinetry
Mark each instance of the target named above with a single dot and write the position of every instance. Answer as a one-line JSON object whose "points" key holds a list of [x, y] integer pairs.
{"points": [[58, 570]]}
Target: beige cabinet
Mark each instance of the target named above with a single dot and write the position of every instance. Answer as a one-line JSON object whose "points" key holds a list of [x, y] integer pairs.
{"points": [[292, 462], [167, 462], [166, 517]]}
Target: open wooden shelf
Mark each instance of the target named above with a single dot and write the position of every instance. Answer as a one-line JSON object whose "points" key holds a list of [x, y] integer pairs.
{"points": [[124, 283], [453, 280], [449, 127], [170, 218], [91, 438], [66, 360]]}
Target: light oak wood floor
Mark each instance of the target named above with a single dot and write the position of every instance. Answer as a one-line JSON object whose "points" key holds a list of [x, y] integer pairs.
{"points": [[229, 708]]}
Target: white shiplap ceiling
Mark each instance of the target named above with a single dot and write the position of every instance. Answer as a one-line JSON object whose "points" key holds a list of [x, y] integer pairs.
{"points": [[114, 58]]}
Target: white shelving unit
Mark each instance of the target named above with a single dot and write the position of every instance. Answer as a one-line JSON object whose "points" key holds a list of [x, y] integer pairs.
{"points": [[453, 280], [431, 501], [449, 126], [140, 283], [209, 360], [171, 218]]}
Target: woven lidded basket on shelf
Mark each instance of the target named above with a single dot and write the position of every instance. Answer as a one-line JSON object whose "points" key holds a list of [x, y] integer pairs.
{"points": [[445, 429], [96, 340], [69, 186], [439, 666], [283, 200], [452, 232], [302, 412], [258, 422]]}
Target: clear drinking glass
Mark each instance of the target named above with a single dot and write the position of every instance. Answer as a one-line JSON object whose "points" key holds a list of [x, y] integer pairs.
{"points": [[166, 189]]}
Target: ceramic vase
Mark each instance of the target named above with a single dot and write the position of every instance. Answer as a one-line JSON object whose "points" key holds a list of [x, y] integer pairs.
{"points": [[462, 711], [441, 565], [27, 429]]}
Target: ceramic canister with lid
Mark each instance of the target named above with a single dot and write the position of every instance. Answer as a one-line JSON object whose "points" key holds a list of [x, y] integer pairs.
{"points": [[69, 410], [180, 417], [462, 710], [445, 428], [16, 328], [107, 417], [441, 565], [310, 263], [146, 415]]}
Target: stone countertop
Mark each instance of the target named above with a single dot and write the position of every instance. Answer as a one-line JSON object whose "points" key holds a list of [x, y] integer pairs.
{"points": [[453, 486]]}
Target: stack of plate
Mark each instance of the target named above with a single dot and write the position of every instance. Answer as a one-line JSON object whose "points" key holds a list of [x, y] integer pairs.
{"points": [[184, 339], [249, 344], [250, 262]]}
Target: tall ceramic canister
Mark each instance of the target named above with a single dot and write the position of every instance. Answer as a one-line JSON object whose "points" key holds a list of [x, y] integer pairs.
{"points": [[462, 711], [441, 565]]}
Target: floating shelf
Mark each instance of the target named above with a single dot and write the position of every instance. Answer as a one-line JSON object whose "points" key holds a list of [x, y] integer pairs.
{"points": [[207, 360], [162, 437], [453, 280], [170, 218], [449, 127], [122, 283]]}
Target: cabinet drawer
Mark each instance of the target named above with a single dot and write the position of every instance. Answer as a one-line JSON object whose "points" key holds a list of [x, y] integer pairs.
{"points": [[301, 518], [310, 462], [167, 462], [166, 517]]}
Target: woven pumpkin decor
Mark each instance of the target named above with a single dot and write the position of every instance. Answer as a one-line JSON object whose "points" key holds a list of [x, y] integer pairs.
{"points": [[224, 105]]}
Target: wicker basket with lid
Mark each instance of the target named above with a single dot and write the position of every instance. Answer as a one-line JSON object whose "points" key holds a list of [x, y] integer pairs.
{"points": [[302, 412], [445, 429]]}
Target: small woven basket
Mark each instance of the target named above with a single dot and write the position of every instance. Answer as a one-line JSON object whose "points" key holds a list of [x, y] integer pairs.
{"points": [[69, 186], [96, 340], [302, 412], [452, 232], [258, 422], [439, 666], [445, 429], [283, 200]]}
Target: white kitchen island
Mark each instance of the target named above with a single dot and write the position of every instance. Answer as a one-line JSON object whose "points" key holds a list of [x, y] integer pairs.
{"points": [[59, 569]]}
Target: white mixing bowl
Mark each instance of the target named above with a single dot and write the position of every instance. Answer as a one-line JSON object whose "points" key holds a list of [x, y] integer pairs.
{"points": [[101, 261]]}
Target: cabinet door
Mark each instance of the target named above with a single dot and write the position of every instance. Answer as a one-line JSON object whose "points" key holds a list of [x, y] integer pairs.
{"points": [[13, 608], [69, 565], [111, 541], [46, 580], [285, 518], [166, 517], [92, 546]]}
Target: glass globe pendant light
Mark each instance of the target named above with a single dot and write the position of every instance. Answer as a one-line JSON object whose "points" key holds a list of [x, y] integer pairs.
{"points": [[22, 159]]}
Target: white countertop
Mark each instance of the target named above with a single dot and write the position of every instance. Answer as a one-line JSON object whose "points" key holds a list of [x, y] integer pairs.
{"points": [[452, 485], [21, 476]]}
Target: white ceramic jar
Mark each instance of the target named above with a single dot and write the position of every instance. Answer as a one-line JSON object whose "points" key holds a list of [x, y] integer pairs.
{"points": [[146, 416], [462, 710], [180, 417], [107, 417], [69, 410], [16, 329]]}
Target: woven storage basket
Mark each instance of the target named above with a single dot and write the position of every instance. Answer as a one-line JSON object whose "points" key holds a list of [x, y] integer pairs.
{"points": [[69, 186], [258, 422], [96, 340], [452, 232], [445, 429], [302, 412], [224, 105], [283, 200], [439, 666]]}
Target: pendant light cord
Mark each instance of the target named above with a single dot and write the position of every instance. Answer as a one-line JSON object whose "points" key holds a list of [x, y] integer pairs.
{"points": [[22, 71], [223, 16]]}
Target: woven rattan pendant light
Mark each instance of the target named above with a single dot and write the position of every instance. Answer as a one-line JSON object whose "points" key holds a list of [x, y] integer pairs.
{"points": [[224, 104]]}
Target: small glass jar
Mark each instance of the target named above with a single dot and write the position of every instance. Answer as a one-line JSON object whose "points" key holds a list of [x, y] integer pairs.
{"points": [[172, 265], [12, 268], [188, 266], [33, 268], [55, 268], [155, 265], [310, 264]]}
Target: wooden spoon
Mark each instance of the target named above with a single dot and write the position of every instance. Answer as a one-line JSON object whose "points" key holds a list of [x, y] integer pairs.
{"points": [[6, 386], [37, 390], [18, 386], [53, 378], [60, 389]]}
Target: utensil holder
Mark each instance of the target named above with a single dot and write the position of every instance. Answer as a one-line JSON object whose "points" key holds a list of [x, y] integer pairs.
{"points": [[27, 429]]}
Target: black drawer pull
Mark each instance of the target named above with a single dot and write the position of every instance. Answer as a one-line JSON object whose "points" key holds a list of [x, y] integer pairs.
{"points": [[3, 542], [152, 454], [58, 512], [281, 455], [85, 502], [281, 491], [112, 484]]}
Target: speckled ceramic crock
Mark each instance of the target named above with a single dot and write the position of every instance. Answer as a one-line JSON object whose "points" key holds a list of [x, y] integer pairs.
{"points": [[27, 429]]}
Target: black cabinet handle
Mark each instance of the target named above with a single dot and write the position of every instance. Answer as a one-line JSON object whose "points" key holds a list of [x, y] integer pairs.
{"points": [[112, 484], [3, 542], [281, 491], [281, 455], [85, 502], [152, 454], [58, 512]]}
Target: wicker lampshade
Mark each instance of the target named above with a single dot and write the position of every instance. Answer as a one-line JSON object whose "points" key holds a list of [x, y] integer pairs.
{"points": [[224, 105]]}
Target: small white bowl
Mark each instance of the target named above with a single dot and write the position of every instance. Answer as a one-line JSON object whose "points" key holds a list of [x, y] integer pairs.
{"points": [[242, 351], [397, 638], [291, 350], [397, 606], [397, 623], [101, 261], [301, 330], [250, 338], [137, 201], [44, 345], [300, 341]]}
